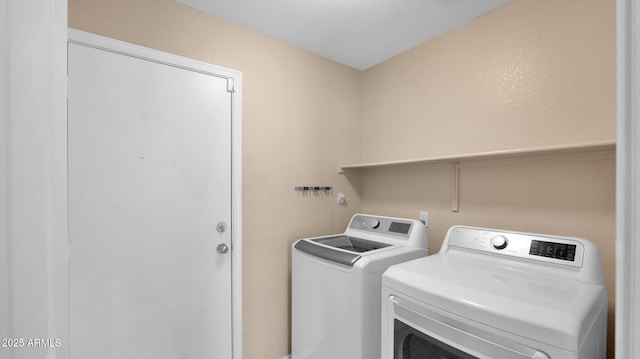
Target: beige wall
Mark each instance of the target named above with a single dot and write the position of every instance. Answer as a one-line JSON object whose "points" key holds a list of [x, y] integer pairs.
{"points": [[294, 105], [533, 73]]}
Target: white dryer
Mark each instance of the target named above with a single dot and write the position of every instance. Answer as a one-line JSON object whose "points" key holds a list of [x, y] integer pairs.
{"points": [[336, 285], [494, 294]]}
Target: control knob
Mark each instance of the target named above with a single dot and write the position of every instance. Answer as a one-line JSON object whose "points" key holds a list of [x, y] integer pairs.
{"points": [[371, 223], [499, 242]]}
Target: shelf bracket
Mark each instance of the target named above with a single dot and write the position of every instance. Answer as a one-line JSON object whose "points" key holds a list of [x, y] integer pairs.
{"points": [[455, 186]]}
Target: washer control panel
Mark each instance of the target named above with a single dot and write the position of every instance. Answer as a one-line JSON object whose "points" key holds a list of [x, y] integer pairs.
{"points": [[392, 230], [520, 245], [383, 225]]}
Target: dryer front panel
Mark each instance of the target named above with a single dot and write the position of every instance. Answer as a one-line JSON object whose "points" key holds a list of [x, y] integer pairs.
{"points": [[419, 331]]}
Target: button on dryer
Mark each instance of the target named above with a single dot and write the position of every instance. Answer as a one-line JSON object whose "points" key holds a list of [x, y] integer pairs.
{"points": [[499, 242]]}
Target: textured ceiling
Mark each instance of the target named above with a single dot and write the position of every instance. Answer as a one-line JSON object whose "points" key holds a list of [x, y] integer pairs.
{"points": [[357, 33]]}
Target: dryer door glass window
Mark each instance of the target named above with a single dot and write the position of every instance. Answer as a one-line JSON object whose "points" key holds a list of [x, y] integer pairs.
{"points": [[410, 343]]}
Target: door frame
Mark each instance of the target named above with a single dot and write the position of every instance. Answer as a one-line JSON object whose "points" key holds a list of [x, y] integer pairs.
{"points": [[234, 84], [627, 187]]}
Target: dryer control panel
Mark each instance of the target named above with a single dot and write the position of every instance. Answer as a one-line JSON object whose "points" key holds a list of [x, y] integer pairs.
{"points": [[518, 245], [563, 251]]}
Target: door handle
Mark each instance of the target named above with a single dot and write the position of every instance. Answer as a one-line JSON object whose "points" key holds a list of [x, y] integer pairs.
{"points": [[222, 248]]}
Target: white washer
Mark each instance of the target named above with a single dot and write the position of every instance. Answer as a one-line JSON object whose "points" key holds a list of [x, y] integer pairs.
{"points": [[494, 294], [336, 283]]}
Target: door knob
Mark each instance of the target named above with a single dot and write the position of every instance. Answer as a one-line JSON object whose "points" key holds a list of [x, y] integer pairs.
{"points": [[222, 248]]}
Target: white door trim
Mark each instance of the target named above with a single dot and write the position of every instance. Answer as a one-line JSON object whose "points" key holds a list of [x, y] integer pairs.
{"points": [[627, 176], [235, 83], [33, 181]]}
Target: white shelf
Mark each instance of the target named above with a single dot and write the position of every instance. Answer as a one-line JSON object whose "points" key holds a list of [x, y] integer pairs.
{"points": [[550, 150], [454, 161]]}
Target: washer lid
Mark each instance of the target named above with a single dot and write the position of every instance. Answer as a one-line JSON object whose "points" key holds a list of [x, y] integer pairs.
{"points": [[349, 243], [546, 309], [349, 246]]}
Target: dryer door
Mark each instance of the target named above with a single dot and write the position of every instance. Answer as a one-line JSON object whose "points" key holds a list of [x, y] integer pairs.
{"points": [[410, 343], [418, 331]]}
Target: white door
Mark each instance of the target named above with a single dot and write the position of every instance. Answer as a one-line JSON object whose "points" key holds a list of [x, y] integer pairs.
{"points": [[149, 209]]}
